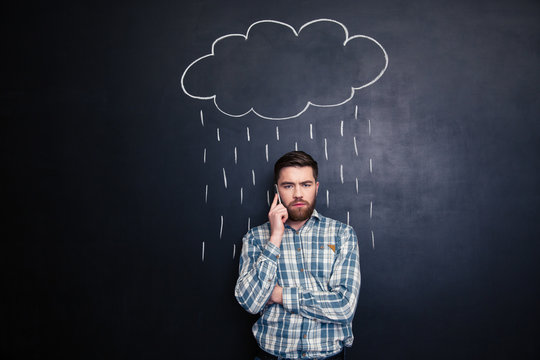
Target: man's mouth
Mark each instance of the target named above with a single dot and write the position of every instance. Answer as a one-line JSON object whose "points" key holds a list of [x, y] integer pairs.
{"points": [[299, 204]]}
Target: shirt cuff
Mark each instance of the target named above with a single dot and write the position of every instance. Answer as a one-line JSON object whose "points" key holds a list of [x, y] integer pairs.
{"points": [[272, 252], [291, 301]]}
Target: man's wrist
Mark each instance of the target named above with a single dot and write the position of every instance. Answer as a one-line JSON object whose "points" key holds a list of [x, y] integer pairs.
{"points": [[276, 239]]}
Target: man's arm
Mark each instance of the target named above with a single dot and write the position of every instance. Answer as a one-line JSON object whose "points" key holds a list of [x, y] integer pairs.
{"points": [[258, 271], [339, 303], [258, 262]]}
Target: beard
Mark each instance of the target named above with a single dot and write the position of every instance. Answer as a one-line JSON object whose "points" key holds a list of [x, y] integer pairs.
{"points": [[303, 213]]}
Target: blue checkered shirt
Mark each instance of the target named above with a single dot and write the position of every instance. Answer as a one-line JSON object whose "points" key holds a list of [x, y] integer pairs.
{"points": [[319, 270]]}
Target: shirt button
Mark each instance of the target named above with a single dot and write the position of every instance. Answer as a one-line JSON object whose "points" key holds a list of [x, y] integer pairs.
{"points": [[277, 256], [305, 336], [299, 249], [301, 270], [303, 354], [322, 246]]}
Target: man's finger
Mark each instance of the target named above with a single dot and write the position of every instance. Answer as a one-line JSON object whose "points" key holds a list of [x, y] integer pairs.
{"points": [[274, 203]]}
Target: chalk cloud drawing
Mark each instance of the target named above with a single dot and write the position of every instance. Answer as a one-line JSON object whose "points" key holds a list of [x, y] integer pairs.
{"points": [[277, 72]]}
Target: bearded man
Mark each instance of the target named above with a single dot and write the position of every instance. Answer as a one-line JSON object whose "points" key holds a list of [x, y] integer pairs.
{"points": [[300, 271]]}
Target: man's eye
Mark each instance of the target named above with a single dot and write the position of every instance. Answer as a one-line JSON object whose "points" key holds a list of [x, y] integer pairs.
{"points": [[287, 186], [307, 185]]}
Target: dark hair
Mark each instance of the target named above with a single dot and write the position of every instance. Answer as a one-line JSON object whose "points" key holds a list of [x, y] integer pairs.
{"points": [[296, 159]]}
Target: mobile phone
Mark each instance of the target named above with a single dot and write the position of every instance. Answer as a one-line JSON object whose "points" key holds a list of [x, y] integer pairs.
{"points": [[277, 192]]}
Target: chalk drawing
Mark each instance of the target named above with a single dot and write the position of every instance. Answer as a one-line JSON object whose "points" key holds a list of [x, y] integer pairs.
{"points": [[295, 146], [356, 112], [202, 118], [253, 176], [370, 166], [369, 127], [266, 151], [249, 223], [233, 251], [277, 133], [202, 251], [204, 156], [311, 131], [355, 147], [221, 227], [347, 218], [217, 133], [372, 240], [327, 198], [356, 179], [348, 40], [206, 194], [371, 209], [241, 196], [341, 172], [341, 130], [325, 149], [247, 131], [235, 156], [224, 178]]}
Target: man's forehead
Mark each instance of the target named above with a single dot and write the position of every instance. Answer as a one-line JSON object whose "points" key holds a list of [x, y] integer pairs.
{"points": [[297, 173]]}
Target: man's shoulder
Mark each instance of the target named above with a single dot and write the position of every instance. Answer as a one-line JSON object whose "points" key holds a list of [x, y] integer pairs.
{"points": [[330, 222], [260, 231]]}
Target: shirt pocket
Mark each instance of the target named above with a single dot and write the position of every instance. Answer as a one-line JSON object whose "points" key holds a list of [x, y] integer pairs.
{"points": [[324, 264]]}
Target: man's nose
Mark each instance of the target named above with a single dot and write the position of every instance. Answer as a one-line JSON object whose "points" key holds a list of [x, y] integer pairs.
{"points": [[297, 193]]}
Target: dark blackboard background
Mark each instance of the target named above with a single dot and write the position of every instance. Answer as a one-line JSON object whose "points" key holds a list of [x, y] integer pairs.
{"points": [[103, 184]]}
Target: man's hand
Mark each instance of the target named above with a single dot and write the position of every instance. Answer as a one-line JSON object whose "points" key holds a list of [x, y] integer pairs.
{"points": [[277, 216], [277, 296]]}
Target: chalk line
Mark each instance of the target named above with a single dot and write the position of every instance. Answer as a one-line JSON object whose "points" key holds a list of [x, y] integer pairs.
{"points": [[370, 166], [347, 218], [221, 227], [204, 156], [266, 151], [268, 197], [341, 128], [325, 149], [356, 186], [247, 132], [277, 133], [249, 223], [295, 146], [341, 172], [224, 178], [372, 240], [355, 147], [233, 251], [356, 112], [311, 131], [202, 118], [217, 132], [235, 156], [203, 251], [369, 127], [296, 33], [206, 194], [241, 196], [371, 209], [253, 176], [327, 198]]}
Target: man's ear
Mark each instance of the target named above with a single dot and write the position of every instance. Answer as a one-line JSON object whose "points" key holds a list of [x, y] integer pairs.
{"points": [[316, 188]]}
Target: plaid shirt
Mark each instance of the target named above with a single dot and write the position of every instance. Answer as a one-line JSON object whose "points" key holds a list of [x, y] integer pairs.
{"points": [[319, 270]]}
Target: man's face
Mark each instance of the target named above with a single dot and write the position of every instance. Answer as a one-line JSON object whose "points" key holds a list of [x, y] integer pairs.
{"points": [[298, 191]]}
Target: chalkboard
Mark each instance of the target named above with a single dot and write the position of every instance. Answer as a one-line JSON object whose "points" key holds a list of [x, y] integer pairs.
{"points": [[138, 147]]}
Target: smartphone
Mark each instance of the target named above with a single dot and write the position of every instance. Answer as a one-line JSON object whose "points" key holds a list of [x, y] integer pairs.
{"points": [[277, 192]]}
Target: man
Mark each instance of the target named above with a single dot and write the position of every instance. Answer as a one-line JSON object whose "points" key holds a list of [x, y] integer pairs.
{"points": [[300, 270]]}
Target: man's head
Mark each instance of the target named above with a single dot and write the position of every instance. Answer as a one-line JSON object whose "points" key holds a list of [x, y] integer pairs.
{"points": [[295, 173]]}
